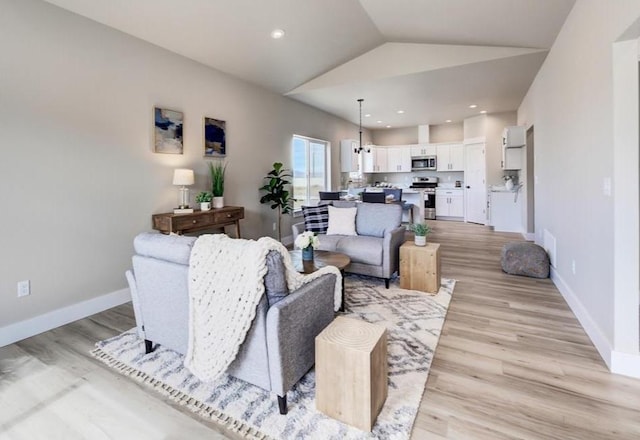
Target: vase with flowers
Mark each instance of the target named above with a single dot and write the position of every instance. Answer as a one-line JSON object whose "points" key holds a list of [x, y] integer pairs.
{"points": [[307, 241]]}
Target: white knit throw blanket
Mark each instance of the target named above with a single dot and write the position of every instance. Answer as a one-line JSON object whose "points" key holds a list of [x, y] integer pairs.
{"points": [[226, 283]]}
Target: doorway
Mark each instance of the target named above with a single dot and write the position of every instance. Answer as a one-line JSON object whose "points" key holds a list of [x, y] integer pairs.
{"points": [[531, 180]]}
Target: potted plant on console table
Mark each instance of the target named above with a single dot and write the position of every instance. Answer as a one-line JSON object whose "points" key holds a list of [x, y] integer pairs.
{"points": [[204, 198], [217, 170], [420, 231]]}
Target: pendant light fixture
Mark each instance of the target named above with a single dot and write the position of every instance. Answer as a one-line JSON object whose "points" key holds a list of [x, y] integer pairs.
{"points": [[360, 148]]}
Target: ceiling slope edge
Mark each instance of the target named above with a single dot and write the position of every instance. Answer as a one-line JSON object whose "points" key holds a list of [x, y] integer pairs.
{"points": [[397, 59]]}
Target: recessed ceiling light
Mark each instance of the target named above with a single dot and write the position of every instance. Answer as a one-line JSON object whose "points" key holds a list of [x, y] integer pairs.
{"points": [[448, 120], [483, 112], [276, 34], [379, 122], [473, 106], [367, 115], [400, 112], [388, 126]]}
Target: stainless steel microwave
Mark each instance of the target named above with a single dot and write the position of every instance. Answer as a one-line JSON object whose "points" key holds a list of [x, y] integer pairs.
{"points": [[423, 163]]}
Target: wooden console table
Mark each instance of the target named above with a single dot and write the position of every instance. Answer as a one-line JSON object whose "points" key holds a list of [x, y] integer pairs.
{"points": [[199, 220]]}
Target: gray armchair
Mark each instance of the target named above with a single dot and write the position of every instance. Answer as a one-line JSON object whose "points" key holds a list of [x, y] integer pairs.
{"points": [[279, 347]]}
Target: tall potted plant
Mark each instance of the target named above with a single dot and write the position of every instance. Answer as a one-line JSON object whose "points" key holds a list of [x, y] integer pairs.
{"points": [[217, 170], [277, 194]]}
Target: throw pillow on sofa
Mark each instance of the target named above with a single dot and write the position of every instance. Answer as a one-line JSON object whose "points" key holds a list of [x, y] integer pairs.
{"points": [[316, 218], [342, 221]]}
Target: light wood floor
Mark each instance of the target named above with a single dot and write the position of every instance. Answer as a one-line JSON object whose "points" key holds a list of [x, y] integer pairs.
{"points": [[512, 362]]}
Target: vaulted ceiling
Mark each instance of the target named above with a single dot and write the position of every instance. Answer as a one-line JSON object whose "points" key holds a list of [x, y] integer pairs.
{"points": [[430, 58]]}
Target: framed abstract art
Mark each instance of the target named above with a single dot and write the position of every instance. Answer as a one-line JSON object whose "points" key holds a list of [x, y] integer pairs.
{"points": [[215, 144], [168, 131]]}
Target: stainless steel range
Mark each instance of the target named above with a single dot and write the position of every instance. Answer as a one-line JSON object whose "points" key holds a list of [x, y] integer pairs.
{"points": [[428, 184]]}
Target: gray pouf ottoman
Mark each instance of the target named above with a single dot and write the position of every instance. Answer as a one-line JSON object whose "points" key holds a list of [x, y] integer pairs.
{"points": [[525, 258]]}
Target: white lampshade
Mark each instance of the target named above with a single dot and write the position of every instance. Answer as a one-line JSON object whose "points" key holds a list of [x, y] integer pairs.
{"points": [[182, 176]]}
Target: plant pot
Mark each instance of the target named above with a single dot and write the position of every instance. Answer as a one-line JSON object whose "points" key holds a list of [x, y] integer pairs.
{"points": [[420, 240], [218, 202], [205, 206], [307, 253]]}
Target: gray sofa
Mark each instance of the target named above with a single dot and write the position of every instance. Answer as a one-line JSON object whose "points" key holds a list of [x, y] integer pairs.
{"points": [[279, 348], [375, 251]]}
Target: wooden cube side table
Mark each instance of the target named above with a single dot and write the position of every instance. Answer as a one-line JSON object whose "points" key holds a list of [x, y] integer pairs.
{"points": [[420, 267], [351, 371]]}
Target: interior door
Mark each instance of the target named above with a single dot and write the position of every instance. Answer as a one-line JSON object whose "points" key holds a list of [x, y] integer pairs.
{"points": [[475, 183]]}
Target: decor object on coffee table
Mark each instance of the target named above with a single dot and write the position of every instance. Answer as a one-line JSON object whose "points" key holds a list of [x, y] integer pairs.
{"points": [[215, 138], [217, 170], [420, 231], [183, 178], [277, 194], [351, 371], [526, 259], [204, 198], [307, 241], [374, 251], [167, 131], [420, 267]]}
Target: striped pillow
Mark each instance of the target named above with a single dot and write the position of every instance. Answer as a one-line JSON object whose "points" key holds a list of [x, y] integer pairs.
{"points": [[316, 218]]}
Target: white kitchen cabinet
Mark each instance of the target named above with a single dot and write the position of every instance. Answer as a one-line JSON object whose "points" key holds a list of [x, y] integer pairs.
{"points": [[399, 159], [505, 210], [349, 157], [450, 157], [375, 160], [423, 150], [513, 137], [449, 203], [511, 158]]}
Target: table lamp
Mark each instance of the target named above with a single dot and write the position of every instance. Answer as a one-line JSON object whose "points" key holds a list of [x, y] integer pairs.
{"points": [[183, 178]]}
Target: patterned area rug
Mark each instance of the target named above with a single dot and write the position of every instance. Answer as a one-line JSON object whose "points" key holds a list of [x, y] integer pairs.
{"points": [[413, 321]]}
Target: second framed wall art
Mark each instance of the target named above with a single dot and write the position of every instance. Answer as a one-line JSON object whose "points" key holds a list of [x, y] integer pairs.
{"points": [[215, 144]]}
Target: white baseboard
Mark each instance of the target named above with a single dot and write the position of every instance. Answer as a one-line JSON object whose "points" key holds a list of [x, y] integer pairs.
{"points": [[601, 343], [626, 364], [529, 236], [56, 318]]}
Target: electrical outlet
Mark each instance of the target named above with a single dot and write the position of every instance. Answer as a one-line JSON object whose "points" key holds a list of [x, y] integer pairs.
{"points": [[274, 226], [573, 266], [24, 288]]}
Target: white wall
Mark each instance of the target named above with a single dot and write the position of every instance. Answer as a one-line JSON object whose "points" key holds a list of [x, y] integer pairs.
{"points": [[395, 136], [452, 132], [78, 171], [570, 105]]}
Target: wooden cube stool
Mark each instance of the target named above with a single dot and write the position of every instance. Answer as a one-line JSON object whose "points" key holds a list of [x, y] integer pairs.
{"points": [[420, 267], [351, 371]]}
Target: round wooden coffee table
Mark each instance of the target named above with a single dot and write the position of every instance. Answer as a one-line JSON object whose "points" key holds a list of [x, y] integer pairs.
{"points": [[321, 259]]}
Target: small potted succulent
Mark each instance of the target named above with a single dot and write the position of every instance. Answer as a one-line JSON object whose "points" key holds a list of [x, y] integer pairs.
{"points": [[204, 198], [307, 241], [420, 231]]}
